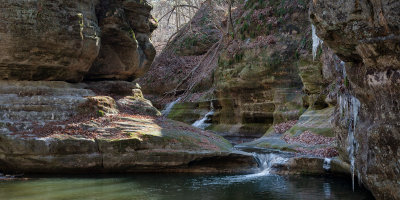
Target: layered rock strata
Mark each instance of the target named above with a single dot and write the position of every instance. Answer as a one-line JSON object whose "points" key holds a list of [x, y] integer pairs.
{"points": [[65, 40], [57, 127], [365, 35]]}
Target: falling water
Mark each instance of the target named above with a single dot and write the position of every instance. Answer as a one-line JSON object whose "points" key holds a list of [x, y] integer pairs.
{"points": [[316, 41], [201, 123], [169, 107], [349, 107], [327, 164], [266, 162]]}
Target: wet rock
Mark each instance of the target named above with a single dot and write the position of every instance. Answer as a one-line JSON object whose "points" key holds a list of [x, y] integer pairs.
{"points": [[365, 35]]}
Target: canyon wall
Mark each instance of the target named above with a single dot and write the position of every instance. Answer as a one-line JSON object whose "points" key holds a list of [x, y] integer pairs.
{"points": [[264, 75], [62, 40], [366, 36]]}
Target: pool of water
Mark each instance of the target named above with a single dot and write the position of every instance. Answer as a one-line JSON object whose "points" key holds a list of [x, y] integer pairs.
{"points": [[180, 186]]}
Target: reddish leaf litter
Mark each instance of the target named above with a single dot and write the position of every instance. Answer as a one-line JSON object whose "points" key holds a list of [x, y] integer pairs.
{"points": [[75, 126], [310, 139], [285, 126]]}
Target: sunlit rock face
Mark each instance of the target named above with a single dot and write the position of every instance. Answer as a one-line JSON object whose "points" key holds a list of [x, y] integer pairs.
{"points": [[366, 35], [60, 40], [47, 40]]}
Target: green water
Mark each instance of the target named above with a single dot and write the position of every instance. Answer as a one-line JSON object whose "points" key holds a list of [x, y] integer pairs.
{"points": [[180, 186]]}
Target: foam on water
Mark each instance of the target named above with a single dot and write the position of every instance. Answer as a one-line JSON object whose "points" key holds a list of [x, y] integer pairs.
{"points": [[266, 162]]}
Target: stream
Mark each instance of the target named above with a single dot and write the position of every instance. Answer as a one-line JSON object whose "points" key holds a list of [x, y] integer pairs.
{"points": [[159, 186]]}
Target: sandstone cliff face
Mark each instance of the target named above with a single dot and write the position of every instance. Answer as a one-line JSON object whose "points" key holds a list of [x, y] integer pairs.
{"points": [[126, 51], [47, 40], [257, 80], [365, 34], [265, 75]]}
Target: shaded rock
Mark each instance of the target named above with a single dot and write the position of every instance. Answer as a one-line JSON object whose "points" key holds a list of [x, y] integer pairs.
{"points": [[27, 104], [137, 104], [365, 35], [314, 166], [43, 40], [60, 40], [189, 112], [113, 88], [316, 121], [257, 80], [127, 51]]}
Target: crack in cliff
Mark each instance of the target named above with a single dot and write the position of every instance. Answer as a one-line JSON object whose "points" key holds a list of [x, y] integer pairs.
{"points": [[100, 153]]}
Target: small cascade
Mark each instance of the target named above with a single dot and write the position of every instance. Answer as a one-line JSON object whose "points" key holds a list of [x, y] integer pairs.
{"points": [[169, 107], [327, 164], [202, 123], [266, 162], [316, 41]]}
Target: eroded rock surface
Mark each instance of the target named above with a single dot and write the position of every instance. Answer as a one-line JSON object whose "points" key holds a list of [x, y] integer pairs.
{"points": [[47, 40], [366, 35], [64, 40], [57, 127], [127, 51]]}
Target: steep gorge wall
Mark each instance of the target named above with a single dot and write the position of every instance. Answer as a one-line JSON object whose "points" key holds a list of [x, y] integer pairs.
{"points": [[265, 75], [257, 80], [366, 36], [60, 40]]}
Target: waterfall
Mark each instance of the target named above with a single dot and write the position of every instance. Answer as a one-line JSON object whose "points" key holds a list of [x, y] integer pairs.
{"points": [[266, 162], [202, 123], [316, 41], [349, 107], [169, 107]]}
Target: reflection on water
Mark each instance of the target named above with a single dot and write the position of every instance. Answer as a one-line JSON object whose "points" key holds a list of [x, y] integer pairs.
{"points": [[180, 186]]}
